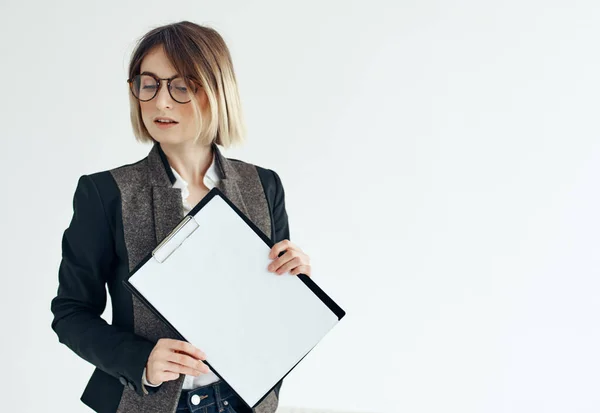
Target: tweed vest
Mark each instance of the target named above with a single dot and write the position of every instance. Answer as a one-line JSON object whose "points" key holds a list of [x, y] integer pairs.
{"points": [[151, 208]]}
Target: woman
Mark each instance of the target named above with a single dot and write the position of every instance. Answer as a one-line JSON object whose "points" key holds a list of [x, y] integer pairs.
{"points": [[184, 100]]}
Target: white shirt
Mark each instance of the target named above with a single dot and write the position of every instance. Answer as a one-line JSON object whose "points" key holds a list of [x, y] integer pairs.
{"points": [[211, 179]]}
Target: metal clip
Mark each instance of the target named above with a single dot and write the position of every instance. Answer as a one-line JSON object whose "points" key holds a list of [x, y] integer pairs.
{"points": [[175, 238]]}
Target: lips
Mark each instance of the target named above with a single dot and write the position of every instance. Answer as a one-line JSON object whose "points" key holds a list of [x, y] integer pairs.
{"points": [[165, 125]]}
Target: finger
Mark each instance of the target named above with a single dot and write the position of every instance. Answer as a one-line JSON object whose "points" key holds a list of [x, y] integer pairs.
{"points": [[187, 348], [178, 368], [279, 247], [287, 256], [293, 263], [169, 342], [301, 269], [185, 360], [201, 357]]}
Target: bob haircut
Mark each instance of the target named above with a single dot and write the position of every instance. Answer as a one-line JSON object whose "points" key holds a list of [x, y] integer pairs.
{"points": [[201, 54]]}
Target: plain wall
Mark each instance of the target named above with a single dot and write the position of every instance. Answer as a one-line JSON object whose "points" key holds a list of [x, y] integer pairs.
{"points": [[440, 161]]}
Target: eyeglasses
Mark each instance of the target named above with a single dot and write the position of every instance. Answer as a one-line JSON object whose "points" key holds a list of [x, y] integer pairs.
{"points": [[145, 87]]}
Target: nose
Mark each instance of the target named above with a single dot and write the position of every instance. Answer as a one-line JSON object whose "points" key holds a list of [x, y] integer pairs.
{"points": [[163, 98]]}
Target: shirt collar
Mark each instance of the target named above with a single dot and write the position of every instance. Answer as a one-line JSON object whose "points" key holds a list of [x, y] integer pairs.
{"points": [[211, 174], [161, 173]]}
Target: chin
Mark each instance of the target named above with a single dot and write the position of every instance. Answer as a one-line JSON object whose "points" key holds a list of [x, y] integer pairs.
{"points": [[164, 137]]}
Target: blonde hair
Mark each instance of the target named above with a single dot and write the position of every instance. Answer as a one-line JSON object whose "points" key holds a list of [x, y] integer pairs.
{"points": [[200, 53]]}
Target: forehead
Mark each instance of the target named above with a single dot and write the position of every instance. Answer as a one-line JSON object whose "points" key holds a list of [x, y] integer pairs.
{"points": [[157, 62]]}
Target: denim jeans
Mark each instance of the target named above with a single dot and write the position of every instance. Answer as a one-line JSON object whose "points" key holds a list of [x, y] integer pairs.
{"points": [[213, 398]]}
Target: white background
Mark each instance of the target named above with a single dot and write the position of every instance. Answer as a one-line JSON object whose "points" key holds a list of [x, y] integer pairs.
{"points": [[441, 164]]}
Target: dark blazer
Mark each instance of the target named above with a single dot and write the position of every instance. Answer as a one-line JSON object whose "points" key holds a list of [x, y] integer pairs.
{"points": [[119, 216]]}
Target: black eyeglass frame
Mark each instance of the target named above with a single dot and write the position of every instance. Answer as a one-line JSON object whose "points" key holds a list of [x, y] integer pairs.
{"points": [[159, 85]]}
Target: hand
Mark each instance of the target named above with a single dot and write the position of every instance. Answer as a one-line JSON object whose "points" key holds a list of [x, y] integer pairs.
{"points": [[294, 261], [170, 358]]}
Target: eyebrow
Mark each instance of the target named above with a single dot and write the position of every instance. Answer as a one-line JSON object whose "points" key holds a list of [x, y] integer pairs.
{"points": [[150, 73]]}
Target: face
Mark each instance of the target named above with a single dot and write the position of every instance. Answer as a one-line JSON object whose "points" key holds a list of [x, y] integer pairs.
{"points": [[163, 104]]}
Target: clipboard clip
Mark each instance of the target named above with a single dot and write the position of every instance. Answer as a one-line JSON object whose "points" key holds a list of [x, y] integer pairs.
{"points": [[175, 238]]}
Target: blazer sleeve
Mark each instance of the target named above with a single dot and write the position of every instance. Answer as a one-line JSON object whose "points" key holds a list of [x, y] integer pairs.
{"points": [[280, 217], [281, 229], [88, 259]]}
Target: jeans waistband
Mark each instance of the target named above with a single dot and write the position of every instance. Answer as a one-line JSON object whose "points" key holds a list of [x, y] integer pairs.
{"points": [[204, 396]]}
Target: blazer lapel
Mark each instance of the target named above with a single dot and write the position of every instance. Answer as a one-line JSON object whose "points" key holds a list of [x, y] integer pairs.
{"points": [[167, 204], [230, 180]]}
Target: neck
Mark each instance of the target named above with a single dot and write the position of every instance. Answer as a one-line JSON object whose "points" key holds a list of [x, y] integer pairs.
{"points": [[190, 160]]}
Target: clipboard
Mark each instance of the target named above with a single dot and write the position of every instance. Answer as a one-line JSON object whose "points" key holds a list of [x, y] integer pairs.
{"points": [[208, 282]]}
